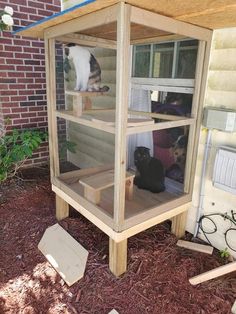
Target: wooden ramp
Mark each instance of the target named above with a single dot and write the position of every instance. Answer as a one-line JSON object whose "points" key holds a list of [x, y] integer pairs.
{"points": [[64, 253]]}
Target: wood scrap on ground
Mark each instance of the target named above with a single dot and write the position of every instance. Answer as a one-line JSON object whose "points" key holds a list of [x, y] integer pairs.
{"points": [[64, 253], [217, 272], [195, 246]]}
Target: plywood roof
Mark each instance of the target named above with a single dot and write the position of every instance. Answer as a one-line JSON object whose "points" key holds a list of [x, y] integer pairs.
{"points": [[108, 31], [210, 14]]}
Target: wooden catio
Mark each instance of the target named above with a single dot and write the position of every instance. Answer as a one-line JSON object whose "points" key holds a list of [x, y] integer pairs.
{"points": [[105, 193]]}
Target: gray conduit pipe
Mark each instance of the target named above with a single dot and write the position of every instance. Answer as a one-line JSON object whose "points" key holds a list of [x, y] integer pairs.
{"points": [[203, 180]]}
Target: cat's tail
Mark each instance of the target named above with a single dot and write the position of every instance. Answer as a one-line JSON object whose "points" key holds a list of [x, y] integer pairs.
{"points": [[104, 88]]}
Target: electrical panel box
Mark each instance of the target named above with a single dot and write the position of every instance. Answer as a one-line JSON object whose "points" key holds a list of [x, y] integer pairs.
{"points": [[222, 119]]}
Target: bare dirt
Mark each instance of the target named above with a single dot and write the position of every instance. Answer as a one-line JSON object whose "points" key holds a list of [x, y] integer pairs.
{"points": [[156, 280]]}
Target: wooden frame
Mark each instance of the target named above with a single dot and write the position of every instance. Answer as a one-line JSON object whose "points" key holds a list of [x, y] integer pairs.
{"points": [[117, 227]]}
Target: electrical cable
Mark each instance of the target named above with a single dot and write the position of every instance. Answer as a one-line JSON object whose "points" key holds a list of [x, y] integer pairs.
{"points": [[214, 229]]}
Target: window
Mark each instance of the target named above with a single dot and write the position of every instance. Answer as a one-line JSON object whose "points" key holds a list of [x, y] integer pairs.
{"points": [[166, 60]]}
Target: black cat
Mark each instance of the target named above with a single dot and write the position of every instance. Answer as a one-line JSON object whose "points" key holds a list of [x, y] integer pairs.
{"points": [[151, 173]]}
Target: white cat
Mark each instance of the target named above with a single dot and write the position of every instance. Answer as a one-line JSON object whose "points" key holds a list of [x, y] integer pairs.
{"points": [[88, 71]]}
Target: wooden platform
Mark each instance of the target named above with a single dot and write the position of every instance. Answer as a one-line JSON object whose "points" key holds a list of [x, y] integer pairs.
{"points": [[142, 201]]}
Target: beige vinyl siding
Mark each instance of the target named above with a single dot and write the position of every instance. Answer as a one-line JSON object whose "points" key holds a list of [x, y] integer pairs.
{"points": [[221, 91], [94, 147]]}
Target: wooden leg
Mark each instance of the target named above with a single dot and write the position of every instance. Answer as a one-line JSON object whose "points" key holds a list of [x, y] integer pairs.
{"points": [[92, 195], [129, 188], [178, 224], [118, 257], [77, 105], [62, 208], [87, 103]]}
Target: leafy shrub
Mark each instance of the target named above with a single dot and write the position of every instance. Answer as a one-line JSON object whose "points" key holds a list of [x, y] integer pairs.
{"points": [[15, 149]]}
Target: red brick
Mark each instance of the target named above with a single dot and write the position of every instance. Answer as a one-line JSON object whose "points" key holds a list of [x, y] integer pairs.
{"points": [[22, 2], [25, 80], [13, 48], [27, 10], [40, 80], [30, 74], [45, 12], [39, 56], [37, 119], [6, 41], [31, 50], [16, 86], [35, 108], [6, 110], [44, 154], [38, 44], [40, 160], [10, 105], [3, 86], [6, 80], [16, 74], [26, 92], [24, 68], [28, 114], [41, 69], [19, 109], [35, 4], [34, 86], [23, 55], [4, 99], [21, 16], [12, 116], [18, 98], [7, 54], [21, 42], [14, 61], [5, 67], [53, 8], [8, 92], [43, 124], [20, 121], [32, 62], [34, 17]]}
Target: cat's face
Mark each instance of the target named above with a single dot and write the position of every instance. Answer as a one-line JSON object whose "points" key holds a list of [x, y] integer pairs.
{"points": [[141, 155]]}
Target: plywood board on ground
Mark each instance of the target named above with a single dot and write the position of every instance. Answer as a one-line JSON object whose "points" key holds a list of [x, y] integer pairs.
{"points": [[64, 253]]}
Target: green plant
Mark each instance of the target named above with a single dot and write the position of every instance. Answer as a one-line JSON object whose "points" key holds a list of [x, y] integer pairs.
{"points": [[16, 148], [224, 253]]}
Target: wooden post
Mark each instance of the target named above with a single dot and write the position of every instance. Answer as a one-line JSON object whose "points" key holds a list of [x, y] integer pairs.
{"points": [[118, 256], [51, 106], [122, 100], [77, 105], [129, 189], [62, 208], [178, 224], [92, 195]]}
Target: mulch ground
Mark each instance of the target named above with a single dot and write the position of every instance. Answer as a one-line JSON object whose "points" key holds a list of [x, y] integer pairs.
{"points": [[156, 280]]}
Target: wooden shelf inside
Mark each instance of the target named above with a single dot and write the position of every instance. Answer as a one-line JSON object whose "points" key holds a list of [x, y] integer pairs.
{"points": [[84, 94], [102, 119]]}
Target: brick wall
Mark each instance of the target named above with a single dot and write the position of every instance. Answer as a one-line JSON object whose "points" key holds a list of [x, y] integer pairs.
{"points": [[22, 72]]}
